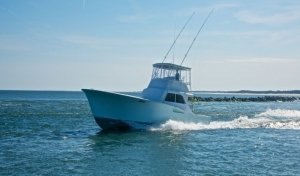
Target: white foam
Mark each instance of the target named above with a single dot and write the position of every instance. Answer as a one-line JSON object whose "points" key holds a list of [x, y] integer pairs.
{"points": [[179, 126], [284, 125], [290, 120], [280, 113]]}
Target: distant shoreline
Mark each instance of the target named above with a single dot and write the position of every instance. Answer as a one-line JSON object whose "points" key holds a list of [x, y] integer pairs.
{"points": [[255, 92], [198, 91]]}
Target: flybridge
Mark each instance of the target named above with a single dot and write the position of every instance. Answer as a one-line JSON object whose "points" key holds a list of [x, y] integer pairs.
{"points": [[172, 71]]}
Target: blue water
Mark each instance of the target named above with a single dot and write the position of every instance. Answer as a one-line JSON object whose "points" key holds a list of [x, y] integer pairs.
{"points": [[54, 133]]}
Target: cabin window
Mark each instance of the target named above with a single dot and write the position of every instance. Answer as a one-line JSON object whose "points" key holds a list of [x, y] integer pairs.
{"points": [[175, 98], [170, 97], [179, 99]]}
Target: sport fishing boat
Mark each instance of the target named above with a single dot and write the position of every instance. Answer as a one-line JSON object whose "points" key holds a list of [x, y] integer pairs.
{"points": [[165, 98]]}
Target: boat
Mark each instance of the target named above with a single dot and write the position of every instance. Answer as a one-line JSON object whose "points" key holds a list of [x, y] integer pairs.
{"points": [[165, 98]]}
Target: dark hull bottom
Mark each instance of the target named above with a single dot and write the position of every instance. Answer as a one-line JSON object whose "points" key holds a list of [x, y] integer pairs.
{"points": [[111, 124], [108, 124]]}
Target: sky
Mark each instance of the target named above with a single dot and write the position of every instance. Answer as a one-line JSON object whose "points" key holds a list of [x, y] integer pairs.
{"points": [[111, 45]]}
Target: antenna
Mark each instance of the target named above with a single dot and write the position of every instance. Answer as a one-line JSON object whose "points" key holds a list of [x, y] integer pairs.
{"points": [[178, 37], [212, 10]]}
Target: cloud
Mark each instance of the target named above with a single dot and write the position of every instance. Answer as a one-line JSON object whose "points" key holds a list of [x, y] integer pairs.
{"points": [[204, 10], [81, 40], [137, 18], [220, 7], [256, 17], [262, 60], [264, 37], [138, 14], [113, 42], [257, 60], [87, 41]]}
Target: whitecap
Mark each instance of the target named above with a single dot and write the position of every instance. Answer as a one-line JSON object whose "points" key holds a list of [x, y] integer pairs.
{"points": [[280, 113]]}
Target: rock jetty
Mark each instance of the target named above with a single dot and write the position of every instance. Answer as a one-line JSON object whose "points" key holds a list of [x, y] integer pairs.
{"points": [[245, 99]]}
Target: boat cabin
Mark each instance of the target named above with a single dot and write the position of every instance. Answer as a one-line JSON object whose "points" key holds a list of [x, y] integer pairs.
{"points": [[170, 84]]}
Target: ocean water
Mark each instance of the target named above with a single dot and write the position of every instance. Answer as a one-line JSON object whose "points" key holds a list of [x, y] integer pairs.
{"points": [[54, 133]]}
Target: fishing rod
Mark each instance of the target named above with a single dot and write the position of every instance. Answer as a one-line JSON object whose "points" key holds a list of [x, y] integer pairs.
{"points": [[196, 36], [178, 37]]}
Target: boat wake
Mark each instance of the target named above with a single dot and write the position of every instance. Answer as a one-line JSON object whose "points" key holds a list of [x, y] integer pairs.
{"points": [[276, 119]]}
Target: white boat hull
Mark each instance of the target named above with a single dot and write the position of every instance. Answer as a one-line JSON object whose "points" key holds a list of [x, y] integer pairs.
{"points": [[120, 111]]}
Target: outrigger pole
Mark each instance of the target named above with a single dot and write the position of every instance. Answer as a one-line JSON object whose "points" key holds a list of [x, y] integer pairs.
{"points": [[212, 10], [177, 37]]}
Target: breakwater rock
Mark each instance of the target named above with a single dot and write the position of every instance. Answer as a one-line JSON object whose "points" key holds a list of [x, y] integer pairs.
{"points": [[245, 99]]}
